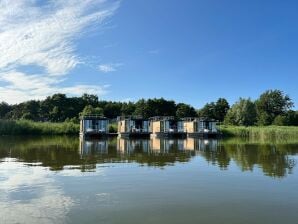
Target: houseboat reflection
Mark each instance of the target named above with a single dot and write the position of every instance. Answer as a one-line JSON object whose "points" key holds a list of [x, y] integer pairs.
{"points": [[92, 146], [153, 145], [199, 144], [164, 145], [128, 146]]}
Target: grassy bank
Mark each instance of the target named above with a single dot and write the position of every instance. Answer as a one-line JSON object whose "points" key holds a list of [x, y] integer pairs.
{"points": [[266, 133], [24, 127]]}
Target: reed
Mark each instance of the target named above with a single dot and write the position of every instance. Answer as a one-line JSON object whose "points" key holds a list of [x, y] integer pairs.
{"points": [[113, 127], [25, 127], [264, 133]]}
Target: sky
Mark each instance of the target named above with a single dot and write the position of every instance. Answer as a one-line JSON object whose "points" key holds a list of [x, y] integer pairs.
{"points": [[191, 51]]}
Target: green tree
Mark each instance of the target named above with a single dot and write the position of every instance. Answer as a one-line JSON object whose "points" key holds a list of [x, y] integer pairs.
{"points": [[141, 108], [221, 108], [292, 117], [112, 110], [243, 112], [128, 108], [161, 107], [155, 107], [215, 110], [271, 104], [90, 99], [288, 119], [185, 110], [55, 108], [31, 110], [88, 110], [4, 109], [208, 111]]}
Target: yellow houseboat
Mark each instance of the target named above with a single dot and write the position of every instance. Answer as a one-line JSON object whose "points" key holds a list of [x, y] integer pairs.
{"points": [[166, 126], [201, 127], [133, 126]]}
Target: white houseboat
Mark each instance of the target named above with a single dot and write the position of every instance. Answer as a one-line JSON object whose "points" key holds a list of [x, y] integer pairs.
{"points": [[94, 126]]}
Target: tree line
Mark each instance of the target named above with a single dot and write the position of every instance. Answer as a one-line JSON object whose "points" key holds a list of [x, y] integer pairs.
{"points": [[273, 107]]}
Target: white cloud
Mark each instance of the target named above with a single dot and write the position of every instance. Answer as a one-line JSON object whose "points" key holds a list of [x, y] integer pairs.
{"points": [[105, 68], [44, 36], [47, 202], [154, 51], [21, 87]]}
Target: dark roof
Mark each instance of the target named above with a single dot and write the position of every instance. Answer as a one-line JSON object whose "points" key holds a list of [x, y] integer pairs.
{"points": [[162, 118], [131, 117], [93, 117], [199, 119]]}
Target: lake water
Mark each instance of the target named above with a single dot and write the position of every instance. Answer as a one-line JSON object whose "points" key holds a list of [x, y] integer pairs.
{"points": [[68, 180]]}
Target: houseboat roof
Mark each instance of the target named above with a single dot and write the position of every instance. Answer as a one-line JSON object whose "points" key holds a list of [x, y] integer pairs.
{"points": [[162, 118], [199, 119], [131, 117], [93, 117]]}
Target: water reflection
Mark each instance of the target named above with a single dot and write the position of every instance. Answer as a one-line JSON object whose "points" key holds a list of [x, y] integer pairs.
{"points": [[31, 195], [94, 146], [58, 153]]}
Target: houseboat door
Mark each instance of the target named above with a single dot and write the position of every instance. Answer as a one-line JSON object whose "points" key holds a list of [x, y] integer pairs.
{"points": [[207, 125]]}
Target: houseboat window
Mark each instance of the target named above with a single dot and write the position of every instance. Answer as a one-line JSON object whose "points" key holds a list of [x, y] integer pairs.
{"points": [[138, 124], [172, 125], [206, 125], [161, 126], [196, 126]]}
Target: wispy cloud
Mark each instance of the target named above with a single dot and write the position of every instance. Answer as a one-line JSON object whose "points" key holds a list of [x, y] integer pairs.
{"points": [[154, 51], [45, 36], [47, 202], [112, 67], [21, 87]]}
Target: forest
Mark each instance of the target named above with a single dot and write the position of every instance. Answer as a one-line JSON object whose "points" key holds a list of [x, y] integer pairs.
{"points": [[273, 107]]}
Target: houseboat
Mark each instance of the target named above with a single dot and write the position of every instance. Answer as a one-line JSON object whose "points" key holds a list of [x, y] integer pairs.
{"points": [[133, 126], [166, 126], [201, 127], [94, 126]]}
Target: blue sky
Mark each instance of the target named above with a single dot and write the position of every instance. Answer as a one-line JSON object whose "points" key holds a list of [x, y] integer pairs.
{"points": [[191, 51]]}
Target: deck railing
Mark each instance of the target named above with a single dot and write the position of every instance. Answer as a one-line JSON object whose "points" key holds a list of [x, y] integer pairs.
{"points": [[93, 116], [162, 118], [131, 117]]}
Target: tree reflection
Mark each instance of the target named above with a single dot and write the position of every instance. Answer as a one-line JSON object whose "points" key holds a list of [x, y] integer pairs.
{"points": [[57, 153]]}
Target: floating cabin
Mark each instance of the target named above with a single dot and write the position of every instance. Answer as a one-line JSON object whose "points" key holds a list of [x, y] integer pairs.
{"points": [[201, 127], [166, 126], [94, 126], [133, 126]]}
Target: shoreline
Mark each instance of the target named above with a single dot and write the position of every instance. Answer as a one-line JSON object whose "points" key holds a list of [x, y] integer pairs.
{"points": [[26, 127]]}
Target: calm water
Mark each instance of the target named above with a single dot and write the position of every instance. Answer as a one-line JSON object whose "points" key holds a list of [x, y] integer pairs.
{"points": [[65, 180]]}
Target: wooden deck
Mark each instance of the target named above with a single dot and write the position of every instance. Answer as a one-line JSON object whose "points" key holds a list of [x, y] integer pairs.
{"points": [[94, 134], [134, 134], [204, 135]]}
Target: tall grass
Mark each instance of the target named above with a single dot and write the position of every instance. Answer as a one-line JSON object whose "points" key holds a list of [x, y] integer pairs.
{"points": [[266, 133], [113, 128], [25, 127]]}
